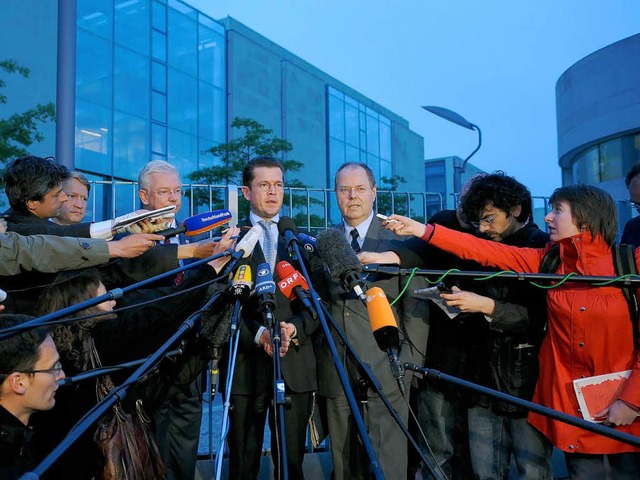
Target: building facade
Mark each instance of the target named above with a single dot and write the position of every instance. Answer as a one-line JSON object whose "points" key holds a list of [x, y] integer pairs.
{"points": [[598, 114], [157, 79]]}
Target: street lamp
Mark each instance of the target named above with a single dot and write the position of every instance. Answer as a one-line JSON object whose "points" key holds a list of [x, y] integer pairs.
{"points": [[453, 117]]}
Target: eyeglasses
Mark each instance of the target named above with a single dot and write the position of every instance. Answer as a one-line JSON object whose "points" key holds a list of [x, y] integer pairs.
{"points": [[485, 221], [165, 192], [344, 191], [266, 186], [56, 370]]}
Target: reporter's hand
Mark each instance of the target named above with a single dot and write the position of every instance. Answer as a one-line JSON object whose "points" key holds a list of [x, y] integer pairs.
{"points": [[404, 226], [468, 301], [225, 243], [367, 258], [3, 225], [133, 245]]}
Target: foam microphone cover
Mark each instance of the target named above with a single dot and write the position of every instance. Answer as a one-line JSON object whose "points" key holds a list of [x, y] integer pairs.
{"points": [[249, 241], [383, 322], [242, 282], [337, 253], [309, 243], [288, 279], [204, 222], [286, 223]]}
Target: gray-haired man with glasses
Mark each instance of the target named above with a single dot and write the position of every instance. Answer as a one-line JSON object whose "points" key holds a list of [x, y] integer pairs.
{"points": [[29, 373]]}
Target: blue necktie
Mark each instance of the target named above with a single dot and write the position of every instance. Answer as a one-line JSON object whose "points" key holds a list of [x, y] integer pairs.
{"points": [[354, 240], [268, 245]]}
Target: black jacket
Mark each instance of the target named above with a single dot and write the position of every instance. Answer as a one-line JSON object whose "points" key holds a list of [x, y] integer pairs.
{"points": [[501, 354], [15, 454]]}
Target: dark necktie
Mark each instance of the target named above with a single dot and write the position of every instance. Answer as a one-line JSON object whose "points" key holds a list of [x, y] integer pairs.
{"points": [[354, 240]]}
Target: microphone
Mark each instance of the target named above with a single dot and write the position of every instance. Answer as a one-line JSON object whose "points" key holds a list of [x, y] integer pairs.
{"points": [[197, 224], [266, 290], [309, 243], [341, 260], [293, 285], [3, 295], [385, 331], [244, 248], [242, 283], [287, 228]]}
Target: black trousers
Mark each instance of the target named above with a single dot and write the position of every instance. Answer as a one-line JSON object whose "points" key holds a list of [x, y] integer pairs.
{"points": [[246, 433]]}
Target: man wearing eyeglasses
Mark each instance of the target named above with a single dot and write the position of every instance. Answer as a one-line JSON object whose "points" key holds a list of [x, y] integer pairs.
{"points": [[30, 370], [356, 190], [253, 379], [503, 323], [177, 420], [631, 233]]}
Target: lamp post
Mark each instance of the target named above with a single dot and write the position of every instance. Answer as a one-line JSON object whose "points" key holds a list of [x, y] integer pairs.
{"points": [[453, 117]]}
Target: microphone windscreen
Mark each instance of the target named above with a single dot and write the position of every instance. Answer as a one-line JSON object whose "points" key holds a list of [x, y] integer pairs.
{"points": [[249, 241], [309, 243], [286, 223], [383, 322], [242, 282], [264, 280], [3, 295], [337, 253], [204, 222], [289, 278]]}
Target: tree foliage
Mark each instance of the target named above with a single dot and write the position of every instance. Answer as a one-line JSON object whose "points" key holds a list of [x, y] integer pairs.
{"points": [[20, 130], [231, 157]]}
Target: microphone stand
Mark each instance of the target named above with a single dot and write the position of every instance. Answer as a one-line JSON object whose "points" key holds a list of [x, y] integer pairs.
{"points": [[279, 397], [234, 342], [373, 382], [374, 466], [97, 372], [552, 277], [114, 396], [114, 294], [432, 374]]}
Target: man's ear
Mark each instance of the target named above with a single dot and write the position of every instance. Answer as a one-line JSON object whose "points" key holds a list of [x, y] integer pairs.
{"points": [[17, 383], [144, 196], [516, 211], [31, 205], [245, 192]]}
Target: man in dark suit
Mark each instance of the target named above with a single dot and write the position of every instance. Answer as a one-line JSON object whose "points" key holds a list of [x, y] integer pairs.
{"points": [[252, 393], [355, 188], [178, 420], [631, 233]]}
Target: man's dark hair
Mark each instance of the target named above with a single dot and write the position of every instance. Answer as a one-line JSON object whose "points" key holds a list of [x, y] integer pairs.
{"points": [[19, 352], [364, 166], [634, 172], [31, 178], [592, 209], [263, 161], [499, 190]]}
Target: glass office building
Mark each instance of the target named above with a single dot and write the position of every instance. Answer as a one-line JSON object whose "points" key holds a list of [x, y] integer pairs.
{"points": [[150, 85]]}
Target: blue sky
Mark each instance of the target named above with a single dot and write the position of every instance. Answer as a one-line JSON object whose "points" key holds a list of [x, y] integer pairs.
{"points": [[494, 62]]}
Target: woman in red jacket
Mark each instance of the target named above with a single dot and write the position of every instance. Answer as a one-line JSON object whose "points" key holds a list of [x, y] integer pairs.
{"points": [[589, 333]]}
